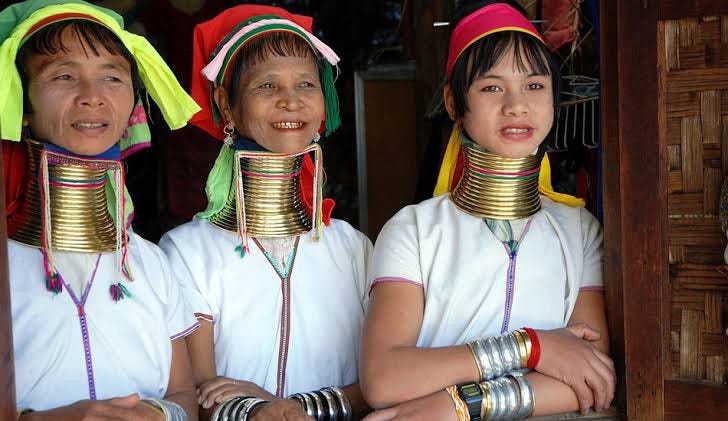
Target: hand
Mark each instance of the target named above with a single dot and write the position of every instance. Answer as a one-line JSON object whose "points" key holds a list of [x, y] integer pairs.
{"points": [[220, 389], [567, 355], [438, 406], [122, 408], [281, 410]]}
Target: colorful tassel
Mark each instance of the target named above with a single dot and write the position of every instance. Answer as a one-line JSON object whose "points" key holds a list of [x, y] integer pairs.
{"points": [[242, 249], [54, 283], [119, 292]]}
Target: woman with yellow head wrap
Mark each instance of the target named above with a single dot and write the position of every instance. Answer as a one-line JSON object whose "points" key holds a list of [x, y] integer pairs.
{"points": [[98, 323]]}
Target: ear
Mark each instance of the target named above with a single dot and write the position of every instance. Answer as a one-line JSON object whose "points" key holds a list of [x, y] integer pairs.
{"points": [[223, 103], [449, 100]]}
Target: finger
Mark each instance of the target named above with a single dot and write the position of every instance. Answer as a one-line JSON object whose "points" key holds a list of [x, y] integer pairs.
{"points": [[228, 393], [584, 395], [606, 370], [584, 331], [213, 384], [606, 360], [599, 387], [210, 390], [130, 401], [218, 395]]}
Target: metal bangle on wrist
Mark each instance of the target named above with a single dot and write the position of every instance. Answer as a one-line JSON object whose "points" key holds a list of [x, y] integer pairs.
{"points": [[498, 355], [329, 403]]}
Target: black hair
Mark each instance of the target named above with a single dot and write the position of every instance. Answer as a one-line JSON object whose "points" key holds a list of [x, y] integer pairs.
{"points": [[48, 41], [530, 55], [259, 49]]}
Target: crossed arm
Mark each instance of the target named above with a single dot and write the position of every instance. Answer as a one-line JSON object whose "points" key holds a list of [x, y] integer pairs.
{"points": [[574, 371], [213, 389]]}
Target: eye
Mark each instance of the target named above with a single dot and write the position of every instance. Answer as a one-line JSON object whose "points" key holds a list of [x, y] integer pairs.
{"points": [[266, 85], [112, 79], [491, 88], [534, 86], [63, 77], [307, 84]]}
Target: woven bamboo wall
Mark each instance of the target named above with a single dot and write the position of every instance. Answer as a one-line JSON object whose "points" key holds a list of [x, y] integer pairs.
{"points": [[697, 153]]}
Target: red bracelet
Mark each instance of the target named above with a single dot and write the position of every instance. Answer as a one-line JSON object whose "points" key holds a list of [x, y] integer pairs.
{"points": [[535, 348]]}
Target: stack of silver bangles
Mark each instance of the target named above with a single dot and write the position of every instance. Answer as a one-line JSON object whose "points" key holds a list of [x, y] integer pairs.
{"points": [[327, 404], [236, 409], [507, 398], [498, 355], [171, 411]]}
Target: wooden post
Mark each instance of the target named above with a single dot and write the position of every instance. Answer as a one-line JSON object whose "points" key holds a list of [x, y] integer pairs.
{"points": [[635, 203], [7, 367]]}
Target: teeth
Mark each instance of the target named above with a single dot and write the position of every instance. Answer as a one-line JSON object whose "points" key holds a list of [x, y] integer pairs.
{"points": [[89, 125], [287, 125], [515, 131]]}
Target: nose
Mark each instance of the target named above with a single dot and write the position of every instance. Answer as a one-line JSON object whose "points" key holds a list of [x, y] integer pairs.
{"points": [[515, 104], [89, 94], [289, 100]]}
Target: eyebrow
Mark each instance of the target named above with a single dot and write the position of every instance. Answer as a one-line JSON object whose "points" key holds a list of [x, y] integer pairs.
{"points": [[52, 62], [492, 76]]}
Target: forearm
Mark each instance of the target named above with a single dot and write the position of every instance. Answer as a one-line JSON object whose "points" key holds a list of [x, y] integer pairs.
{"points": [[551, 396], [405, 373], [359, 406], [187, 400]]}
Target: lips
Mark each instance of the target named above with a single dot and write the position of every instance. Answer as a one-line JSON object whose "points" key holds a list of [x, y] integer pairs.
{"points": [[286, 125], [517, 132], [90, 124]]}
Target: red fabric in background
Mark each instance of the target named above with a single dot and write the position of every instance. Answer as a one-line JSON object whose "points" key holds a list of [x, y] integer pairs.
{"points": [[559, 23], [14, 170]]}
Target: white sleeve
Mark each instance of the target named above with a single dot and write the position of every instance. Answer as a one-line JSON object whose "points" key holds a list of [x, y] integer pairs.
{"points": [[591, 278], [396, 256], [186, 278], [179, 317]]}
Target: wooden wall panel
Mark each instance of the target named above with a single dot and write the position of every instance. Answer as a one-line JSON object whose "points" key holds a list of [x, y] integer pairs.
{"points": [[696, 95]]}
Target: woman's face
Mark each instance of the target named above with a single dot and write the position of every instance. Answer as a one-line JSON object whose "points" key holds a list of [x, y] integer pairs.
{"points": [[509, 112], [80, 101], [279, 103]]}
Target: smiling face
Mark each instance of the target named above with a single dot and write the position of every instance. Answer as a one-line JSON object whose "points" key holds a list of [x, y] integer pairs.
{"points": [[279, 103], [80, 101], [510, 108]]}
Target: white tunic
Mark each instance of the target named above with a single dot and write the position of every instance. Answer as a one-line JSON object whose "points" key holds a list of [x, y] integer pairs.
{"points": [[81, 344], [474, 287], [287, 335]]}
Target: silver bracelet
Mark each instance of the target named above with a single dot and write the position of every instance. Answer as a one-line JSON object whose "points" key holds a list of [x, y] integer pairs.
{"points": [[497, 355], [331, 403], [526, 393], [236, 409], [346, 411], [250, 404], [512, 396], [319, 406], [171, 410]]}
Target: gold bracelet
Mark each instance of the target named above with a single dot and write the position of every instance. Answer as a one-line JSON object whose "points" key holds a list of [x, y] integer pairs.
{"points": [[522, 349], [477, 363], [460, 408], [485, 403], [526, 339]]}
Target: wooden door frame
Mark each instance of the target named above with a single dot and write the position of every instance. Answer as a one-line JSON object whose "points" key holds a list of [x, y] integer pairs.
{"points": [[7, 365], [636, 252]]}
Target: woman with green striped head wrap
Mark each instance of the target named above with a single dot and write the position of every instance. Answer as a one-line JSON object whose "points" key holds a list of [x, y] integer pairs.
{"points": [[264, 263], [98, 322]]}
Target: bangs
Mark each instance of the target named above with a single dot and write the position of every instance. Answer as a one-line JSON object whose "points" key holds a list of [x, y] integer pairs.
{"points": [[260, 49], [530, 57]]}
